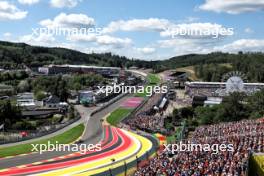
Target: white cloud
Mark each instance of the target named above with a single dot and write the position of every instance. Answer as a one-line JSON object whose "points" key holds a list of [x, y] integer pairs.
{"points": [[249, 30], [7, 34], [82, 38], [64, 3], [233, 6], [114, 41], [171, 43], [68, 21], [168, 28], [191, 19], [83, 21], [102, 40], [41, 40], [183, 46], [151, 24], [146, 50], [28, 2], [188, 46], [251, 45], [197, 30], [9, 11]]}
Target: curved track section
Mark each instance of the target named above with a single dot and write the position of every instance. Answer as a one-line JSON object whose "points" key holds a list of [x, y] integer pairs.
{"points": [[117, 146]]}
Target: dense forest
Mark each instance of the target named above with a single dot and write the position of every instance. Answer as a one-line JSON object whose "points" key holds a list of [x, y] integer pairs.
{"points": [[211, 67], [13, 54], [251, 64], [208, 67]]}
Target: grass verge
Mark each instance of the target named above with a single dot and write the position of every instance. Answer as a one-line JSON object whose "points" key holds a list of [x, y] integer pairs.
{"points": [[153, 80], [119, 114], [64, 138], [116, 116]]}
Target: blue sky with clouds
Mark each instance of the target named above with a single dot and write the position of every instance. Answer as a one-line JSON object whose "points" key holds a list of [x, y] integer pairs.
{"points": [[142, 29]]}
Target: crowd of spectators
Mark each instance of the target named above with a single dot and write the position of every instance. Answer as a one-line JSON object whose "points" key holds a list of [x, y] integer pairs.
{"points": [[149, 117], [214, 91], [245, 136], [147, 123], [201, 92], [243, 127]]}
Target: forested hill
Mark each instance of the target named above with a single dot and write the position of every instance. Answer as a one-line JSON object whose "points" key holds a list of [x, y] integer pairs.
{"points": [[211, 67], [208, 67], [196, 59], [216, 57], [13, 54]]}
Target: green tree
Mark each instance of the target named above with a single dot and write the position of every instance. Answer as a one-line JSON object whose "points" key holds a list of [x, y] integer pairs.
{"points": [[40, 95], [63, 90], [205, 115], [23, 86], [8, 113], [256, 104], [234, 106], [71, 112]]}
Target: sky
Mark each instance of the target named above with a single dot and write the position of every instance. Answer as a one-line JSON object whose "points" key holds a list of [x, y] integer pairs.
{"points": [[142, 29]]}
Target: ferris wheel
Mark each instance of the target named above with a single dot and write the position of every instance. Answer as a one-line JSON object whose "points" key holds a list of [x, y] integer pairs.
{"points": [[234, 81]]}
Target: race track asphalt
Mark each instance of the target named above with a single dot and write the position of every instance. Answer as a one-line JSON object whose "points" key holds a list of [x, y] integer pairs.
{"points": [[92, 135]]}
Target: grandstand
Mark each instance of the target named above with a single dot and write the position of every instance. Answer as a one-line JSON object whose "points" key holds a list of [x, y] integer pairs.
{"points": [[149, 118], [216, 89], [66, 69], [246, 137]]}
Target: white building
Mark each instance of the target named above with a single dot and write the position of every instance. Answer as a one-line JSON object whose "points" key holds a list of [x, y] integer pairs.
{"points": [[51, 102], [211, 101], [26, 100]]}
